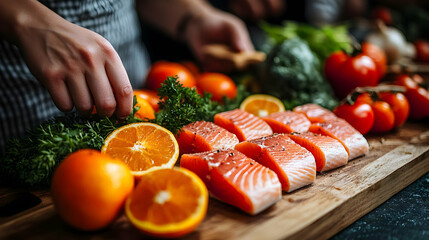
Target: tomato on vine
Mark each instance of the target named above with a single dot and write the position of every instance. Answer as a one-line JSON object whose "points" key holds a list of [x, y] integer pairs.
{"points": [[399, 104], [359, 115], [384, 118]]}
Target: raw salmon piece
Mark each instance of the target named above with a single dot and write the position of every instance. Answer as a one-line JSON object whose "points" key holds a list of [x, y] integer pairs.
{"points": [[315, 113], [294, 165], [233, 178], [287, 122], [328, 152], [204, 136], [352, 140], [244, 125]]}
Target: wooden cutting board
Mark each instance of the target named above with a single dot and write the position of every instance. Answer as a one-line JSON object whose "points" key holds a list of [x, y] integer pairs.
{"points": [[334, 201]]}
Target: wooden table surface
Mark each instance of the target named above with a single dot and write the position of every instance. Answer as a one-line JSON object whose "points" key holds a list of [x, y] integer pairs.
{"points": [[337, 199]]}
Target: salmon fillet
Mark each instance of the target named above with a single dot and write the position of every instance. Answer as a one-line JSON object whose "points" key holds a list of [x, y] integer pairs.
{"points": [[204, 136], [287, 122], [353, 141], [315, 113], [233, 178], [328, 152], [294, 165], [244, 125]]}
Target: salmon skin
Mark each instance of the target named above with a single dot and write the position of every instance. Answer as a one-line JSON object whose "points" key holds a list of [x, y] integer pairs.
{"points": [[328, 152], [233, 178], [244, 125], [315, 113], [287, 122], [202, 136], [352, 140], [294, 165]]}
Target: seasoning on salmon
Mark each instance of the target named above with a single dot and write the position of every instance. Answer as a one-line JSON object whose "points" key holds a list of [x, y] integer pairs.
{"points": [[328, 152], [244, 125], [204, 136], [287, 122], [294, 165], [315, 113], [233, 178], [352, 140]]}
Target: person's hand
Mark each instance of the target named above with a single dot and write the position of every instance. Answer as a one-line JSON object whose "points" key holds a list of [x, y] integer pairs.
{"points": [[78, 67], [257, 9], [214, 26]]}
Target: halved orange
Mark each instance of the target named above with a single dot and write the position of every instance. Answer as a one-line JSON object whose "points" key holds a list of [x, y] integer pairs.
{"points": [[262, 105], [145, 111], [142, 146], [168, 202]]}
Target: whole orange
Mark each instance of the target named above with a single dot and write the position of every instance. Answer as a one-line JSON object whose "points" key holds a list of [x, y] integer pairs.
{"points": [[160, 70], [149, 95], [145, 109], [218, 84], [89, 189]]}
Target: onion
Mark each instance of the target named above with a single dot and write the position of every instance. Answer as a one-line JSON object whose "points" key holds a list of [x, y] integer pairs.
{"points": [[392, 41]]}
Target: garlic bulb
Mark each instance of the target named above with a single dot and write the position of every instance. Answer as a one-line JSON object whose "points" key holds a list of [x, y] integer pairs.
{"points": [[392, 41]]}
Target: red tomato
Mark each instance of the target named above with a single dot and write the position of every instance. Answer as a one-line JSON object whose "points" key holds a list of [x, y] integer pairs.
{"points": [[359, 115], [159, 72], [399, 104], [365, 98], [345, 73], [377, 55], [384, 118], [418, 97], [422, 50], [382, 14], [149, 95], [218, 84]]}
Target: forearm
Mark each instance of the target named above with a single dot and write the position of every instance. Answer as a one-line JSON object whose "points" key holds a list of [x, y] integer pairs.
{"points": [[171, 19]]}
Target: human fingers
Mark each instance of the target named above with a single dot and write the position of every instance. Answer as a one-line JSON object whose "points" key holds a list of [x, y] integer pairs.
{"points": [[80, 94], [238, 36], [101, 90], [59, 92], [120, 83]]}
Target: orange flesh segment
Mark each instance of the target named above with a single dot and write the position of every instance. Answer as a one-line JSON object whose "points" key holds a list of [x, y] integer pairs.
{"points": [[144, 207], [142, 146]]}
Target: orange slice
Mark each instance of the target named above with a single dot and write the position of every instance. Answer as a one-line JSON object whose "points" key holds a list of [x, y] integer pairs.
{"points": [[262, 105], [145, 111], [142, 146], [168, 202]]}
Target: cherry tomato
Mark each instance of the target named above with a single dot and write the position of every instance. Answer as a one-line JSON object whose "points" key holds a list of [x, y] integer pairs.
{"points": [[399, 104], [365, 98], [377, 55], [149, 95], [345, 73], [359, 115], [422, 50], [160, 70], [218, 84], [418, 97], [384, 118]]}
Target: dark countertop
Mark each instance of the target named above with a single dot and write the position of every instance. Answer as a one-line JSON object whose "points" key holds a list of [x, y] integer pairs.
{"points": [[403, 216]]}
